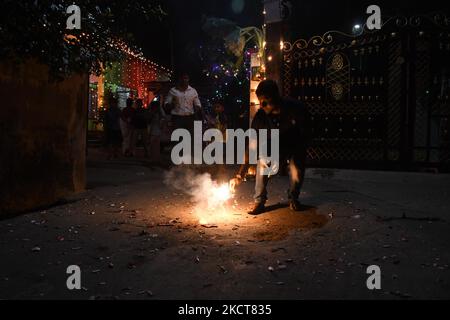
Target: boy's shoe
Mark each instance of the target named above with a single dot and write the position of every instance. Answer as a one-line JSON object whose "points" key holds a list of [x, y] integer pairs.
{"points": [[296, 205], [258, 209]]}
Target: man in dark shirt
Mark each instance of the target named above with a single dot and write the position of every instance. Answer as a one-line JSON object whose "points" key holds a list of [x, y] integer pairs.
{"points": [[292, 119], [112, 129]]}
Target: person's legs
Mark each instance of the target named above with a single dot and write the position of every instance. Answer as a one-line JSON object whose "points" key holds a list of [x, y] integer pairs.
{"points": [[179, 122], [184, 122], [261, 185], [143, 135], [125, 136], [187, 123], [113, 143], [260, 191], [297, 168], [132, 140], [190, 124], [107, 143], [176, 123]]}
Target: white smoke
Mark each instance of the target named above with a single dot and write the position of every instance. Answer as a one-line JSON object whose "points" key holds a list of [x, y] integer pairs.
{"points": [[208, 196]]}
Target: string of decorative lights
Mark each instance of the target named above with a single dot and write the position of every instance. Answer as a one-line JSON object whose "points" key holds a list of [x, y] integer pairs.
{"points": [[132, 70]]}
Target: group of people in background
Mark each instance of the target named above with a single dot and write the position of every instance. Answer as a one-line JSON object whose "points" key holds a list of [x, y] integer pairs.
{"points": [[125, 128]]}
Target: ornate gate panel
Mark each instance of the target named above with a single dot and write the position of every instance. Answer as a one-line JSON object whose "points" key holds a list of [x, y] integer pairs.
{"points": [[361, 91], [432, 104]]}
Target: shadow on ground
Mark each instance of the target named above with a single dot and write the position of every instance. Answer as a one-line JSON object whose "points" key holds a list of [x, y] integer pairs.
{"points": [[284, 221]]}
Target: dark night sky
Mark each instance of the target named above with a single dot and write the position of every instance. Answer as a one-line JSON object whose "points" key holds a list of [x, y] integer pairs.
{"points": [[312, 17], [185, 22], [319, 16]]}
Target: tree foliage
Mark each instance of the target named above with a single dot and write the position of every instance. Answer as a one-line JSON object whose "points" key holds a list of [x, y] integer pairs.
{"points": [[37, 29], [235, 39]]}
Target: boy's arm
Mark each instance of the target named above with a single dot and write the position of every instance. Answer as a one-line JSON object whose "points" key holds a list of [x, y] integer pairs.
{"points": [[245, 166]]}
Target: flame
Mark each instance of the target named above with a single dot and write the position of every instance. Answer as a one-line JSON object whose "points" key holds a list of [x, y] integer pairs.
{"points": [[217, 198], [222, 193], [211, 199], [251, 171]]}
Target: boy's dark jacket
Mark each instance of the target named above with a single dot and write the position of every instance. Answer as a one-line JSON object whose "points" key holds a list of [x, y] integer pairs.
{"points": [[295, 127]]}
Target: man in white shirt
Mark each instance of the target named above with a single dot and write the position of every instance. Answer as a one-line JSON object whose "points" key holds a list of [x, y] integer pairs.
{"points": [[183, 103]]}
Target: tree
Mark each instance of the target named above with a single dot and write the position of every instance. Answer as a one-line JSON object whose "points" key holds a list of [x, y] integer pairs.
{"points": [[235, 38], [226, 62], [37, 29]]}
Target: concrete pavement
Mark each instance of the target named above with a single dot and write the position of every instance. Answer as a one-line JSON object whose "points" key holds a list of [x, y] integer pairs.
{"points": [[135, 238]]}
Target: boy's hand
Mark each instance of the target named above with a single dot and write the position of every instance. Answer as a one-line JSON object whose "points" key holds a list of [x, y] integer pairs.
{"points": [[236, 181]]}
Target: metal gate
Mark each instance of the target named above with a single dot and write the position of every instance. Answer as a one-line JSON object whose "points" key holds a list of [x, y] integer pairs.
{"points": [[376, 98]]}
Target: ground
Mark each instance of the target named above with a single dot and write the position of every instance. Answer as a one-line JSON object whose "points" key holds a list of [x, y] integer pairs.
{"points": [[135, 238]]}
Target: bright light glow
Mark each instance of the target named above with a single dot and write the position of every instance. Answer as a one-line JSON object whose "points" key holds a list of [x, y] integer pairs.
{"points": [[357, 28], [215, 204], [222, 194], [211, 200]]}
